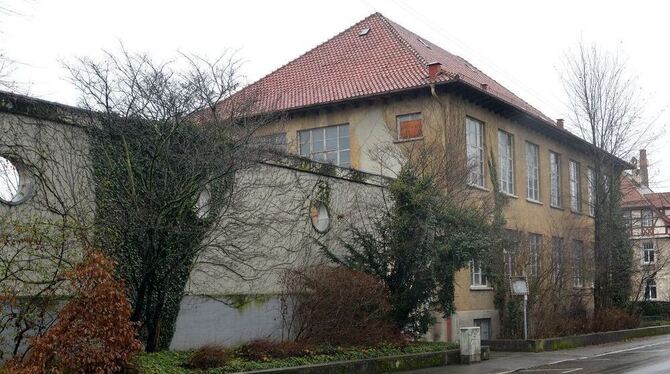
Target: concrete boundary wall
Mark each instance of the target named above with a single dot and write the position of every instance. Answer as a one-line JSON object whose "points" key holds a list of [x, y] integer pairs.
{"points": [[567, 342]]}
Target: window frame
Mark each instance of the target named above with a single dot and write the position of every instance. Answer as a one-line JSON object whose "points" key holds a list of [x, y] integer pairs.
{"points": [[578, 264], [555, 200], [649, 285], [575, 182], [648, 253], [533, 172], [478, 278], [506, 179], [398, 121], [534, 254], [479, 148], [643, 218], [591, 180], [339, 151]]}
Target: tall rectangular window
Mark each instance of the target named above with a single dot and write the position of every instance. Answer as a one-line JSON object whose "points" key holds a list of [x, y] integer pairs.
{"points": [[578, 263], [591, 177], [535, 248], [533, 171], [557, 258], [646, 220], [575, 187], [649, 253], [409, 126], [555, 179], [477, 275], [506, 160], [650, 290], [326, 144], [474, 137]]}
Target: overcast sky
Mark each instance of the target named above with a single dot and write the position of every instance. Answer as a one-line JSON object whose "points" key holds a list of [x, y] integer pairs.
{"points": [[519, 43]]}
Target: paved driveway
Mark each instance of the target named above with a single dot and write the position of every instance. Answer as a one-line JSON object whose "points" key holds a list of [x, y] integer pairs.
{"points": [[646, 355]]}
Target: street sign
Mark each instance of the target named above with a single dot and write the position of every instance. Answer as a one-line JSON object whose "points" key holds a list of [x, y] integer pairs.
{"points": [[519, 286]]}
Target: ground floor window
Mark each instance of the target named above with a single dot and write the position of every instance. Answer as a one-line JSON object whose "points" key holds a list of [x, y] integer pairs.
{"points": [[484, 325], [650, 290]]}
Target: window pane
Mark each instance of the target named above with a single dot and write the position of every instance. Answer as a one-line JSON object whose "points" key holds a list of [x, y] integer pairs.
{"points": [[344, 159], [317, 140], [304, 143]]}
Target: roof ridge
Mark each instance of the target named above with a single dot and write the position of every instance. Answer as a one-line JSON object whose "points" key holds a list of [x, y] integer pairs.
{"points": [[391, 25], [250, 86]]}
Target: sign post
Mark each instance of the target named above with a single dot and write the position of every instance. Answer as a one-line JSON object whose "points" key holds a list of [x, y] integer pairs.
{"points": [[520, 287]]}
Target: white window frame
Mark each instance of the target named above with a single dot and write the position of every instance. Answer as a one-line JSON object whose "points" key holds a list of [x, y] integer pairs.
{"points": [[591, 180], [533, 171], [575, 186], [340, 149], [475, 151], [648, 287], [646, 221], [534, 254], [557, 258], [478, 278], [648, 252], [506, 160], [555, 179], [578, 264]]}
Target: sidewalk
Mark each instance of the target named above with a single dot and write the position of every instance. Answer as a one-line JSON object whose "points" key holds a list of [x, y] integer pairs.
{"points": [[507, 362]]}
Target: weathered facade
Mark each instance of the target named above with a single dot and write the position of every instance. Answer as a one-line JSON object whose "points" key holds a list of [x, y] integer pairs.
{"points": [[390, 90], [288, 203]]}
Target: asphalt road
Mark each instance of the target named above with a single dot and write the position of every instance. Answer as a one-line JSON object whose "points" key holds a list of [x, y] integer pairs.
{"points": [[648, 359], [639, 356]]}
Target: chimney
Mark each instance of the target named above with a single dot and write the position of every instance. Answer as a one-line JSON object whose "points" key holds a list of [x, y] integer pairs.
{"points": [[434, 69], [559, 123], [644, 170]]}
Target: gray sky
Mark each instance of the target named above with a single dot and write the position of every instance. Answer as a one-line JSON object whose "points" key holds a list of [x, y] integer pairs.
{"points": [[519, 43]]}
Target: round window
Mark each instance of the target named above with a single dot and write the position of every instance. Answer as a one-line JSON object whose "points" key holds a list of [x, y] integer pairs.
{"points": [[202, 205], [320, 217], [13, 189]]}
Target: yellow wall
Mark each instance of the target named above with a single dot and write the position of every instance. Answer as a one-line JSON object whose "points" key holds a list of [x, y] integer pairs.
{"points": [[373, 125]]}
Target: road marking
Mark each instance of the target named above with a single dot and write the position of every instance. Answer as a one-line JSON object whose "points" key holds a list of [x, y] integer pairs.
{"points": [[562, 370], [572, 371]]}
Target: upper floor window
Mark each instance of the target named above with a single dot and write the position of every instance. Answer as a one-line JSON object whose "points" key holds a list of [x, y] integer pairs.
{"points": [[409, 126], [575, 187], [649, 253], [555, 179], [506, 159], [646, 219], [535, 247], [326, 144], [474, 137], [591, 180], [533, 171], [477, 275]]}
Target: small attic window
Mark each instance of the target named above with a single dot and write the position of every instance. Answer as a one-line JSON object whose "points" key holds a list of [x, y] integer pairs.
{"points": [[364, 31], [422, 42]]}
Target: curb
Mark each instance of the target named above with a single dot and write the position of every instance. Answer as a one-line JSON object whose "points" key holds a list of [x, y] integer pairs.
{"points": [[568, 342]]}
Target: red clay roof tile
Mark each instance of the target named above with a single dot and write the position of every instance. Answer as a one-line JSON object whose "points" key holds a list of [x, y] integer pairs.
{"points": [[388, 58]]}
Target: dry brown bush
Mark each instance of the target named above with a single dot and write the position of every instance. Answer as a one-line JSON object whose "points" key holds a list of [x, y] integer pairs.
{"points": [[209, 357], [93, 333], [338, 306], [263, 350]]}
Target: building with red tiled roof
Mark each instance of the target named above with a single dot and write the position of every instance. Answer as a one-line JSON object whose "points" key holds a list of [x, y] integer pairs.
{"points": [[376, 88], [648, 216]]}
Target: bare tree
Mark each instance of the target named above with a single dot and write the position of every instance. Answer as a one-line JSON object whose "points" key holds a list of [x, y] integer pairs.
{"points": [[607, 111]]}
